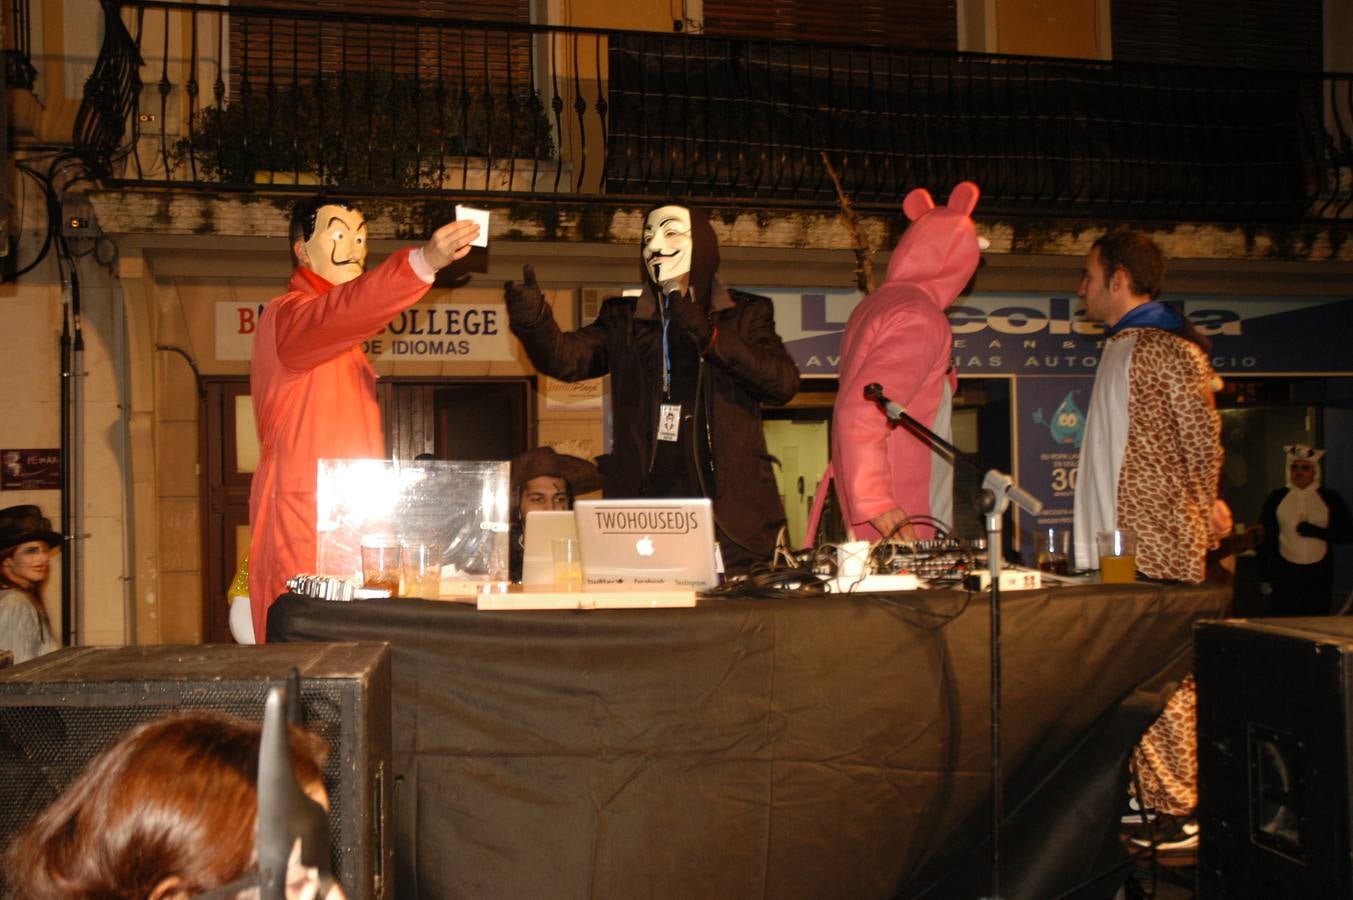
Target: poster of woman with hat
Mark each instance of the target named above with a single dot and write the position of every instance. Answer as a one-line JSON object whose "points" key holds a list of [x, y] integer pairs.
{"points": [[27, 543]]}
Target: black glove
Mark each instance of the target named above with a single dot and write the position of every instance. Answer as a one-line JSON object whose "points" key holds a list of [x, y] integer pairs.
{"points": [[1306, 529], [687, 315], [525, 302]]}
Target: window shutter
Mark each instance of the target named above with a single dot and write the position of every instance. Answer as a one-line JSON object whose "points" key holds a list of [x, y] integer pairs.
{"points": [[1255, 34], [279, 51], [474, 10], [914, 24]]}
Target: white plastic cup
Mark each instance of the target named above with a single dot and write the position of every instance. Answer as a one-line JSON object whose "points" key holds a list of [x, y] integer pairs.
{"points": [[568, 565], [852, 559]]}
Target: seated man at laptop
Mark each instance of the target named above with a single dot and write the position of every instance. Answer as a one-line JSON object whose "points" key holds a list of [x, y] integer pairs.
{"points": [[544, 479]]}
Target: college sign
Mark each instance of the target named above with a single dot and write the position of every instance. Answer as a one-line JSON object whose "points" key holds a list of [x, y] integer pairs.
{"points": [[447, 332]]}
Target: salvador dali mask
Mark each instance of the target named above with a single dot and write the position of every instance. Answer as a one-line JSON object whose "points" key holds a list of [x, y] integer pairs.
{"points": [[336, 251]]}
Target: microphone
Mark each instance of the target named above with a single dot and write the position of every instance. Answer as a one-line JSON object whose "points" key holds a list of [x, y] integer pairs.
{"points": [[892, 410]]}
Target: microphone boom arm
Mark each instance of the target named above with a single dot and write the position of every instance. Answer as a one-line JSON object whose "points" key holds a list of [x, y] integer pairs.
{"points": [[998, 489], [1002, 486]]}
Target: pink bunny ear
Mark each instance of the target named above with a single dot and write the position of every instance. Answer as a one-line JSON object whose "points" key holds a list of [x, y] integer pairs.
{"points": [[964, 197], [917, 204]]}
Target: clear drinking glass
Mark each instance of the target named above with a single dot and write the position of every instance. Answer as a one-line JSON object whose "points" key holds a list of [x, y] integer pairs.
{"points": [[1053, 550], [422, 565], [568, 565], [1117, 556], [380, 563]]}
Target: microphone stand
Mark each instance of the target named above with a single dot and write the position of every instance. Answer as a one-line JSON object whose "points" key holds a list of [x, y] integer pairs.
{"points": [[998, 489]]}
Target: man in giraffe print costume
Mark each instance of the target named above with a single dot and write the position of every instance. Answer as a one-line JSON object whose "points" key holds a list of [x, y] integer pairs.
{"points": [[1151, 461], [1152, 452]]}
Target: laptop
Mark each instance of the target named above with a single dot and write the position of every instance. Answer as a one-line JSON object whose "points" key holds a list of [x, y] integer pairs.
{"points": [[635, 544], [540, 530]]}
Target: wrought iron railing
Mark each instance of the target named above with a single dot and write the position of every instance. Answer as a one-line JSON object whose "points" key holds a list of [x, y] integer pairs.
{"points": [[18, 46], [240, 97]]}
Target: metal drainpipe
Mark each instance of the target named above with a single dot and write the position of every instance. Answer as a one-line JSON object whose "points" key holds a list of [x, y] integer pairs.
{"points": [[66, 554], [118, 306], [72, 517], [77, 481], [65, 471]]}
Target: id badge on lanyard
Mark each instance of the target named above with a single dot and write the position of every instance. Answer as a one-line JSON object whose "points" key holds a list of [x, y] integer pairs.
{"points": [[669, 421]]}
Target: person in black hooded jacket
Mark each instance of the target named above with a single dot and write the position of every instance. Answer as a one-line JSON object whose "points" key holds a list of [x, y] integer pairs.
{"points": [[690, 363]]}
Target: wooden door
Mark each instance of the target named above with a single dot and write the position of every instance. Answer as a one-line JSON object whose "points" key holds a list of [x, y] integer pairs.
{"points": [[488, 418], [448, 417], [230, 454]]}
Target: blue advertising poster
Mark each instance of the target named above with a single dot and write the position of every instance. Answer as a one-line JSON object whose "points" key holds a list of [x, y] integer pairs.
{"points": [[1050, 421], [1053, 351], [1035, 334]]}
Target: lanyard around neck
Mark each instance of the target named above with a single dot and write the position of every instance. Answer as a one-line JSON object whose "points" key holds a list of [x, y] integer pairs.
{"points": [[666, 347]]}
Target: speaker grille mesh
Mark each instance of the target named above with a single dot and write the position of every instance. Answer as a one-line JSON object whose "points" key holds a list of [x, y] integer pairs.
{"points": [[47, 742]]}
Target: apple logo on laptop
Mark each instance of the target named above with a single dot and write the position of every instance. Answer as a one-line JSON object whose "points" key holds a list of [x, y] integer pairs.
{"points": [[644, 546]]}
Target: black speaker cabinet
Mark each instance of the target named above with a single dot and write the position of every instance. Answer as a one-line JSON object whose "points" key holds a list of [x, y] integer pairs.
{"points": [[58, 711], [1274, 757]]}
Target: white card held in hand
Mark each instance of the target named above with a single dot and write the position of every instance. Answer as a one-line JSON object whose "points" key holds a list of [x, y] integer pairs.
{"points": [[481, 216]]}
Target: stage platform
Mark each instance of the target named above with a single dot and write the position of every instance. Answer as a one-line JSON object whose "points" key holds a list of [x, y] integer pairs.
{"points": [[809, 746]]}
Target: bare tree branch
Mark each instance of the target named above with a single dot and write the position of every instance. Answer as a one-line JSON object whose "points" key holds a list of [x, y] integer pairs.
{"points": [[864, 253]]}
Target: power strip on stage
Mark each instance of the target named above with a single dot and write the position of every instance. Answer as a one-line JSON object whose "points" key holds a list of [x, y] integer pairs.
{"points": [[1012, 579], [873, 584]]}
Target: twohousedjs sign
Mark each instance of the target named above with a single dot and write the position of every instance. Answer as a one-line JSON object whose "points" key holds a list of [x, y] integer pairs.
{"points": [[658, 520], [449, 332]]}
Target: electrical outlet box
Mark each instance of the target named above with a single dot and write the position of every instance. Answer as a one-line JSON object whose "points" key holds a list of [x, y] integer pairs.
{"points": [[1011, 580], [77, 217]]}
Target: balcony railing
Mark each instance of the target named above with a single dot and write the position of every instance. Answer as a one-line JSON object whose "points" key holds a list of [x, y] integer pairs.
{"points": [[18, 45], [237, 98]]}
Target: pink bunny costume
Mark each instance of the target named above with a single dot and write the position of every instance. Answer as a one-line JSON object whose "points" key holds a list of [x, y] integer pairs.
{"points": [[899, 337]]}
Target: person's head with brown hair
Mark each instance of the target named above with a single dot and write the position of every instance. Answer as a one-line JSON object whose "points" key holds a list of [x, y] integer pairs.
{"points": [[168, 811], [1123, 270], [1139, 257]]}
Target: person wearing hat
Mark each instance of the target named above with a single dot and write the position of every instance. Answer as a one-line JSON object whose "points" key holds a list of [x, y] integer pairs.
{"points": [[544, 479], [1300, 521], [27, 542]]}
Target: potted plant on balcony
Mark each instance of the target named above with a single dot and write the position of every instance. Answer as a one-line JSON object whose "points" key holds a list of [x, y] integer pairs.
{"points": [[273, 132], [374, 131]]}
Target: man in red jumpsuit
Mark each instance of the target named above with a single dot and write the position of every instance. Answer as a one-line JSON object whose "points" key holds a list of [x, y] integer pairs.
{"points": [[314, 391]]}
